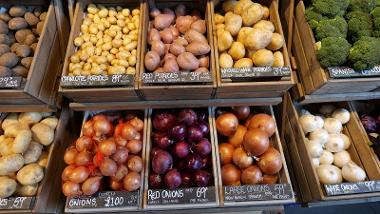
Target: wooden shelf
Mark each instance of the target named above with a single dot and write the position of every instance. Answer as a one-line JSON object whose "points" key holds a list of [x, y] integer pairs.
{"points": [[27, 108], [321, 98]]}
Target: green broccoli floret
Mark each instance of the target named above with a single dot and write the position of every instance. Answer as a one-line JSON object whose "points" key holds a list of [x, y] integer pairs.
{"points": [[331, 7], [365, 6], [376, 22], [365, 53], [313, 17], [359, 24], [332, 51], [336, 27]]}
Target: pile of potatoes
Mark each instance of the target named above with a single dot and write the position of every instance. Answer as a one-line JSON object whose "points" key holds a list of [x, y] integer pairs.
{"points": [[246, 38], [108, 41], [20, 29], [177, 41], [23, 154]]}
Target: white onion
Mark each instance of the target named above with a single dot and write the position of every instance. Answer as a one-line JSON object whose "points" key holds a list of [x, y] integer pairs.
{"points": [[309, 123], [341, 158], [333, 126], [353, 173], [320, 135], [315, 148], [335, 143], [320, 122], [347, 141], [327, 109], [329, 174], [315, 162], [326, 158], [342, 115]]}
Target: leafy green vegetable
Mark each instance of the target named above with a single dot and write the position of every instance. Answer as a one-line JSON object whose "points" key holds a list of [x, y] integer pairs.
{"points": [[331, 8], [333, 51], [359, 25], [336, 27], [365, 53]]}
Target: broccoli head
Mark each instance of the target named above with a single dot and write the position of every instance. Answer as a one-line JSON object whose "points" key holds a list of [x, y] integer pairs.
{"points": [[365, 6], [365, 53], [376, 22], [333, 51], [359, 24], [336, 27], [331, 7], [313, 17]]}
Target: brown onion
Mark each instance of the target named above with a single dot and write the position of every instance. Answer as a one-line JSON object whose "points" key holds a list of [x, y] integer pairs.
{"points": [[230, 175], [241, 112], [226, 124], [128, 132], [69, 156], [270, 162], [120, 141], [71, 189], [91, 185], [83, 143], [115, 185], [241, 158], [121, 155], [134, 146], [121, 171], [135, 163], [269, 179], [132, 181], [252, 175], [138, 136], [137, 124], [88, 129], [237, 139], [225, 152], [102, 126], [107, 147], [108, 167], [264, 122], [255, 142], [83, 158], [79, 174], [66, 172]]}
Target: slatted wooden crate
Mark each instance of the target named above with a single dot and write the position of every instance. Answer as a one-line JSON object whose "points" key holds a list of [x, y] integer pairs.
{"points": [[256, 88], [185, 90], [307, 178], [40, 87], [100, 94]]}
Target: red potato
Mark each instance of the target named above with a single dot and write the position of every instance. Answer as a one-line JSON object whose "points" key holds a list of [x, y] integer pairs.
{"points": [[169, 11], [152, 60], [167, 47], [167, 36], [204, 61], [171, 65], [181, 41], [194, 36], [183, 23], [162, 21], [175, 32], [153, 35], [198, 48], [199, 25], [187, 61], [158, 47], [169, 56], [176, 49]]}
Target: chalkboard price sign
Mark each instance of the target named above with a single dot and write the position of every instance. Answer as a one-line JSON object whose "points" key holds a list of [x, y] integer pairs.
{"points": [[347, 72], [229, 74], [352, 188], [10, 82], [16, 203], [110, 200], [181, 196], [263, 192], [177, 77], [97, 80]]}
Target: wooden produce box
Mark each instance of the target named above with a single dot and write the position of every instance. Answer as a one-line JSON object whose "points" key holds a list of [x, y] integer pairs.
{"points": [[259, 194], [310, 187], [99, 88], [180, 198], [48, 199], [319, 81], [182, 85], [40, 86], [256, 81], [110, 201]]}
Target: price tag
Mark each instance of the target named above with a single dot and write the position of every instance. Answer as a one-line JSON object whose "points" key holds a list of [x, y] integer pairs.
{"points": [[16, 203], [352, 188], [177, 77], [181, 196], [246, 74], [97, 80], [10, 82], [347, 72], [265, 192], [108, 201]]}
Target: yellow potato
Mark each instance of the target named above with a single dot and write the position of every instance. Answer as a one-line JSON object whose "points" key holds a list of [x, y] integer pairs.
{"points": [[243, 63], [237, 51]]}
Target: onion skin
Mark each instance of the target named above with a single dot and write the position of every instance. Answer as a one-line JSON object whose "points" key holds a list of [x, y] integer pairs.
{"points": [[137, 124], [134, 146], [128, 132], [132, 181], [83, 143], [71, 189], [264, 122], [116, 185], [225, 152], [241, 112], [88, 129], [79, 174], [269, 179], [252, 175], [66, 172], [121, 155], [69, 156], [135, 163], [121, 171], [162, 162], [270, 162], [107, 147], [230, 175], [91, 185], [237, 139], [173, 179], [155, 180], [102, 126], [164, 121], [256, 142], [227, 124], [108, 167], [83, 158], [241, 158]]}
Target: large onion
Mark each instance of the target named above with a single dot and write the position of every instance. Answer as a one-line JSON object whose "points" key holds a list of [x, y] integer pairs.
{"points": [[256, 142], [83, 158], [252, 175], [121, 171], [120, 155], [71, 189], [164, 121], [264, 122], [270, 162], [134, 146], [135, 163], [173, 179], [162, 162], [225, 152], [187, 116], [69, 156], [79, 174], [237, 139], [83, 143], [102, 126], [108, 167], [91, 185], [66, 172], [107, 147], [227, 124], [241, 158], [137, 124], [128, 132], [230, 175], [132, 181]]}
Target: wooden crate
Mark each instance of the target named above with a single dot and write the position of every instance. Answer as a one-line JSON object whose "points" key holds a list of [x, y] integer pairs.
{"points": [[287, 20], [100, 94], [307, 178], [178, 90], [47, 199], [315, 79], [252, 89], [283, 174], [39, 89]]}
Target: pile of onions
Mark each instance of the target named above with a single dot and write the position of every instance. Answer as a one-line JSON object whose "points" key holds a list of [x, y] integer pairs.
{"points": [[105, 150], [247, 157]]}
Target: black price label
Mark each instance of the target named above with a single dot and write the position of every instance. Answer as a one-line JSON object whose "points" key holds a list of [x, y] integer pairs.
{"points": [[229, 74], [97, 80], [347, 72], [177, 77], [352, 188], [110, 200], [181, 196], [10, 82], [16, 203], [265, 192]]}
